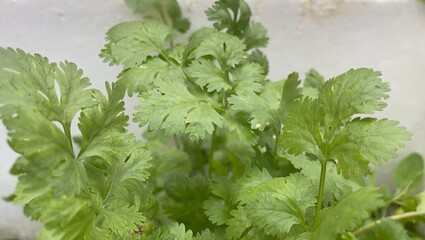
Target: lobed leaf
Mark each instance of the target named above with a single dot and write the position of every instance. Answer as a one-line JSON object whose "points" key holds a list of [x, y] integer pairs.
{"points": [[279, 204], [130, 43]]}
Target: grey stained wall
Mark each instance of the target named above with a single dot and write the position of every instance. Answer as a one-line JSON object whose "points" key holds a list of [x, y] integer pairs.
{"points": [[331, 36]]}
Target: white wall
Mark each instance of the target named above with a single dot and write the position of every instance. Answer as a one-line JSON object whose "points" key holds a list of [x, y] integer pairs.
{"points": [[331, 36]]}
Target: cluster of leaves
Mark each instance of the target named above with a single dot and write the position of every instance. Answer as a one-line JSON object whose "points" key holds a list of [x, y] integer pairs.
{"points": [[228, 154]]}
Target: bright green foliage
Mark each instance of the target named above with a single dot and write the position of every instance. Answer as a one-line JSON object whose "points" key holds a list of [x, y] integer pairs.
{"points": [[365, 140], [386, 229], [319, 126], [337, 186], [227, 153], [74, 196], [276, 205], [226, 49], [168, 10], [409, 173], [176, 110], [234, 17], [130, 43], [342, 217]]}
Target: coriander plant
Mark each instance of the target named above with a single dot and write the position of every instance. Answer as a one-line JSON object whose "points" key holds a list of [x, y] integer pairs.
{"points": [[228, 154]]}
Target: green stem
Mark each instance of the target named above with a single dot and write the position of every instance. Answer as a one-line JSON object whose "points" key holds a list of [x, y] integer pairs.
{"points": [[394, 217], [276, 142], [212, 146], [164, 19], [320, 196], [67, 130]]}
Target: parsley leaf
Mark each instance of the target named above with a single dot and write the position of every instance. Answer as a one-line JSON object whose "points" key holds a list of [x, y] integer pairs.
{"points": [[276, 205], [130, 43], [174, 109], [341, 217]]}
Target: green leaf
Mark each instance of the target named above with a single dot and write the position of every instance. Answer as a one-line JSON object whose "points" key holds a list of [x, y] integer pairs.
{"points": [[168, 160], [205, 235], [251, 178], [313, 79], [336, 186], [386, 229], [173, 231], [218, 207], [238, 224], [259, 58], [279, 204], [302, 128], [140, 79], [103, 128], [236, 123], [255, 36], [247, 78], [176, 110], [70, 169], [231, 15], [228, 50], [409, 173], [261, 114], [134, 167], [32, 135], [130, 43], [171, 7], [343, 217], [121, 218], [366, 140], [206, 74], [290, 94], [358, 91], [28, 83]]}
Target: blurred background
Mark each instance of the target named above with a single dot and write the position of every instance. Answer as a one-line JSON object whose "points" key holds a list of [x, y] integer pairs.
{"points": [[330, 36]]}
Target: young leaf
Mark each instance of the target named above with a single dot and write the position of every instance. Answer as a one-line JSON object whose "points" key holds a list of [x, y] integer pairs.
{"points": [[279, 204], [302, 131], [358, 91], [140, 79], [130, 43], [255, 36], [367, 139], [173, 231], [121, 218], [409, 173], [228, 50], [342, 217], [336, 186], [28, 83], [160, 7], [176, 110], [386, 229], [206, 74]]}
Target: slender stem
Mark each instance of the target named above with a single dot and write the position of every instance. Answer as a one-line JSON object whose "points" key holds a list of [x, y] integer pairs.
{"points": [[394, 217], [212, 146], [276, 142], [320, 195], [67, 130], [164, 19]]}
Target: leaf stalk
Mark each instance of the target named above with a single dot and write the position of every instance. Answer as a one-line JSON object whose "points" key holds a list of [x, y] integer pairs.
{"points": [[320, 195]]}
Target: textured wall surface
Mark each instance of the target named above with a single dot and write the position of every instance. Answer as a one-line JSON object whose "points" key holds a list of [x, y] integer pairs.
{"points": [[331, 36]]}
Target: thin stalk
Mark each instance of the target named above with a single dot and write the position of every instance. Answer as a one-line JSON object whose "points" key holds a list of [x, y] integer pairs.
{"points": [[212, 146], [320, 195], [276, 142], [164, 19], [394, 217], [67, 130]]}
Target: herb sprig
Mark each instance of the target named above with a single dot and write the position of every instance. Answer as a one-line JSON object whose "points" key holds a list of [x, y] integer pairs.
{"points": [[228, 154]]}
